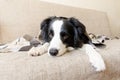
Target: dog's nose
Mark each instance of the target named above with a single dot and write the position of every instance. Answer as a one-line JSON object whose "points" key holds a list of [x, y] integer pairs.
{"points": [[53, 52], [103, 41]]}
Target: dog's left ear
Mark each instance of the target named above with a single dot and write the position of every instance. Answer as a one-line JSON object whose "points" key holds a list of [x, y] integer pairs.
{"points": [[81, 35], [45, 24]]}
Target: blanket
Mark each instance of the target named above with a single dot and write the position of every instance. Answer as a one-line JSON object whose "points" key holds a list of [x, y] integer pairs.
{"points": [[26, 42]]}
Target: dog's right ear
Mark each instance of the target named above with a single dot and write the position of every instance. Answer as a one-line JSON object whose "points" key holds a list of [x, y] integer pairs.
{"points": [[45, 23], [44, 27]]}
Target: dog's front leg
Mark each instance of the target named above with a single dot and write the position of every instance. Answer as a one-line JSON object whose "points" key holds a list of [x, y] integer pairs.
{"points": [[95, 58], [37, 51]]}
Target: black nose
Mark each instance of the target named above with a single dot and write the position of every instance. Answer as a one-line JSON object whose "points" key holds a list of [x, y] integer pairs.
{"points": [[53, 52], [103, 41]]}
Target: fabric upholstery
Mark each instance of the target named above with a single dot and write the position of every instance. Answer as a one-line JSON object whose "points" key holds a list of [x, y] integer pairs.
{"points": [[71, 66]]}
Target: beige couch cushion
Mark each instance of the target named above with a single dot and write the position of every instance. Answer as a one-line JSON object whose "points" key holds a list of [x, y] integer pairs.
{"points": [[71, 66], [19, 17]]}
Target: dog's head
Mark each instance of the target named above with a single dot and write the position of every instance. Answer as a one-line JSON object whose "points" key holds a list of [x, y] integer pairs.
{"points": [[61, 33]]}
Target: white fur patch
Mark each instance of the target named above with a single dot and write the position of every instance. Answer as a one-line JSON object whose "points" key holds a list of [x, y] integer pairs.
{"points": [[95, 58], [56, 42]]}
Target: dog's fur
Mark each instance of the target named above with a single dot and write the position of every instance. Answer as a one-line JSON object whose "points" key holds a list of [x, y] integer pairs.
{"points": [[60, 34]]}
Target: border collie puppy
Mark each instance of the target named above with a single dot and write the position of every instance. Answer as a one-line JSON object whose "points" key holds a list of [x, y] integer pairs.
{"points": [[61, 34]]}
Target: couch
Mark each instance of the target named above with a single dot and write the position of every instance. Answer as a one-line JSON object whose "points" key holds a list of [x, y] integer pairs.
{"points": [[24, 16]]}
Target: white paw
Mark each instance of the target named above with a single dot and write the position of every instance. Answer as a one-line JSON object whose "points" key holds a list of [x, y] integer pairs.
{"points": [[35, 51], [98, 64]]}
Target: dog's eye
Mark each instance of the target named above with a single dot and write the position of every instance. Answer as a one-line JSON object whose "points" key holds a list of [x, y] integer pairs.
{"points": [[64, 35], [51, 34]]}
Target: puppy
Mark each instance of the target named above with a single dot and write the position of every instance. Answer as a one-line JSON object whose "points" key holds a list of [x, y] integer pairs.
{"points": [[60, 34]]}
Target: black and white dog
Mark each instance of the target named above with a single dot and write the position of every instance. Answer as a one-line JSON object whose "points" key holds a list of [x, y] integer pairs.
{"points": [[60, 34]]}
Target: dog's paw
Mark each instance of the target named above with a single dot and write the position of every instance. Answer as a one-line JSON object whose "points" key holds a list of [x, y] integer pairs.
{"points": [[98, 64], [35, 51], [95, 58]]}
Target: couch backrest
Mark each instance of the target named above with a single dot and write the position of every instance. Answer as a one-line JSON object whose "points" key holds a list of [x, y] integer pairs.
{"points": [[19, 17], [0, 35]]}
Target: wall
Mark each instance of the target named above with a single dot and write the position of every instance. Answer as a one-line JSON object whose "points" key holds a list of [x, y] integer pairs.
{"points": [[111, 7]]}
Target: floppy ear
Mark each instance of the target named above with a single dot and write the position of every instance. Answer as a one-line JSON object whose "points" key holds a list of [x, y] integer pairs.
{"points": [[81, 35], [45, 24]]}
